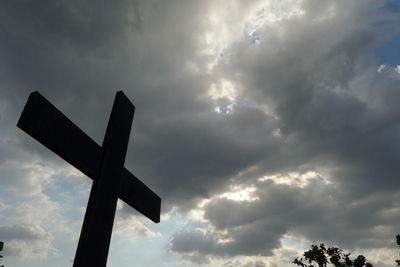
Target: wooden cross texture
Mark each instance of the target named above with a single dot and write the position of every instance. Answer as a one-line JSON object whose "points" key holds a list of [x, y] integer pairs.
{"points": [[104, 165]]}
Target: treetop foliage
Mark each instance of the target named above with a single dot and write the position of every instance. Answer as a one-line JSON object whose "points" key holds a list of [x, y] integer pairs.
{"points": [[320, 256]]}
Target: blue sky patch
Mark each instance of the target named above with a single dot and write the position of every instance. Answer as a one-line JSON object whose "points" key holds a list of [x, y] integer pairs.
{"points": [[392, 6], [389, 53]]}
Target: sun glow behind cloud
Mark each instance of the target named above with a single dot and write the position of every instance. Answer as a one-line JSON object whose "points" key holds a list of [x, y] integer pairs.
{"points": [[229, 23], [241, 193], [295, 178]]}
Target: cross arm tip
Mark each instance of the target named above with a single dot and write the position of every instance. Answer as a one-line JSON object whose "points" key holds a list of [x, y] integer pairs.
{"points": [[137, 195]]}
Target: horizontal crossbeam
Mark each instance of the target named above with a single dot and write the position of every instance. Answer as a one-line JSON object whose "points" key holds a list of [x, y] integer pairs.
{"points": [[49, 126]]}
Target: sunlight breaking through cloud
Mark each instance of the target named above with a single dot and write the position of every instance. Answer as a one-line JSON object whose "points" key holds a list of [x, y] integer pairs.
{"points": [[295, 178], [240, 193]]}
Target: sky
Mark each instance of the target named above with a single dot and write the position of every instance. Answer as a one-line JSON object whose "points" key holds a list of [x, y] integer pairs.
{"points": [[263, 125]]}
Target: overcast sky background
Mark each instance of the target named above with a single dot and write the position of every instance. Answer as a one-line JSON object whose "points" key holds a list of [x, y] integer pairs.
{"points": [[263, 125]]}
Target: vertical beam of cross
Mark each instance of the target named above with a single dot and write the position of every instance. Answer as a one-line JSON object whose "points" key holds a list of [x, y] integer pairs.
{"points": [[99, 218]]}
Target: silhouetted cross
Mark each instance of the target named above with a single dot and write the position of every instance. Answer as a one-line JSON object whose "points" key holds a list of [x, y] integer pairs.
{"points": [[105, 165]]}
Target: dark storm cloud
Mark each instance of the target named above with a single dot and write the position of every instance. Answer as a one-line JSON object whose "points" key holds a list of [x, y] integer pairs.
{"points": [[78, 55], [309, 74], [317, 212], [198, 157], [308, 77]]}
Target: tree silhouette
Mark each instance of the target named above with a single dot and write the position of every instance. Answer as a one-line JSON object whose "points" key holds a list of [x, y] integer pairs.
{"points": [[321, 256], [1, 248], [398, 243]]}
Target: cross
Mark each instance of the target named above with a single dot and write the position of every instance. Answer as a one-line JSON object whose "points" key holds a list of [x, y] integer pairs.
{"points": [[104, 165]]}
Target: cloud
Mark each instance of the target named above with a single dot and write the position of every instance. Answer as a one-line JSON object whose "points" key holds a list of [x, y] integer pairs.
{"points": [[130, 225], [233, 263], [26, 241], [26, 179], [317, 210], [254, 264]]}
